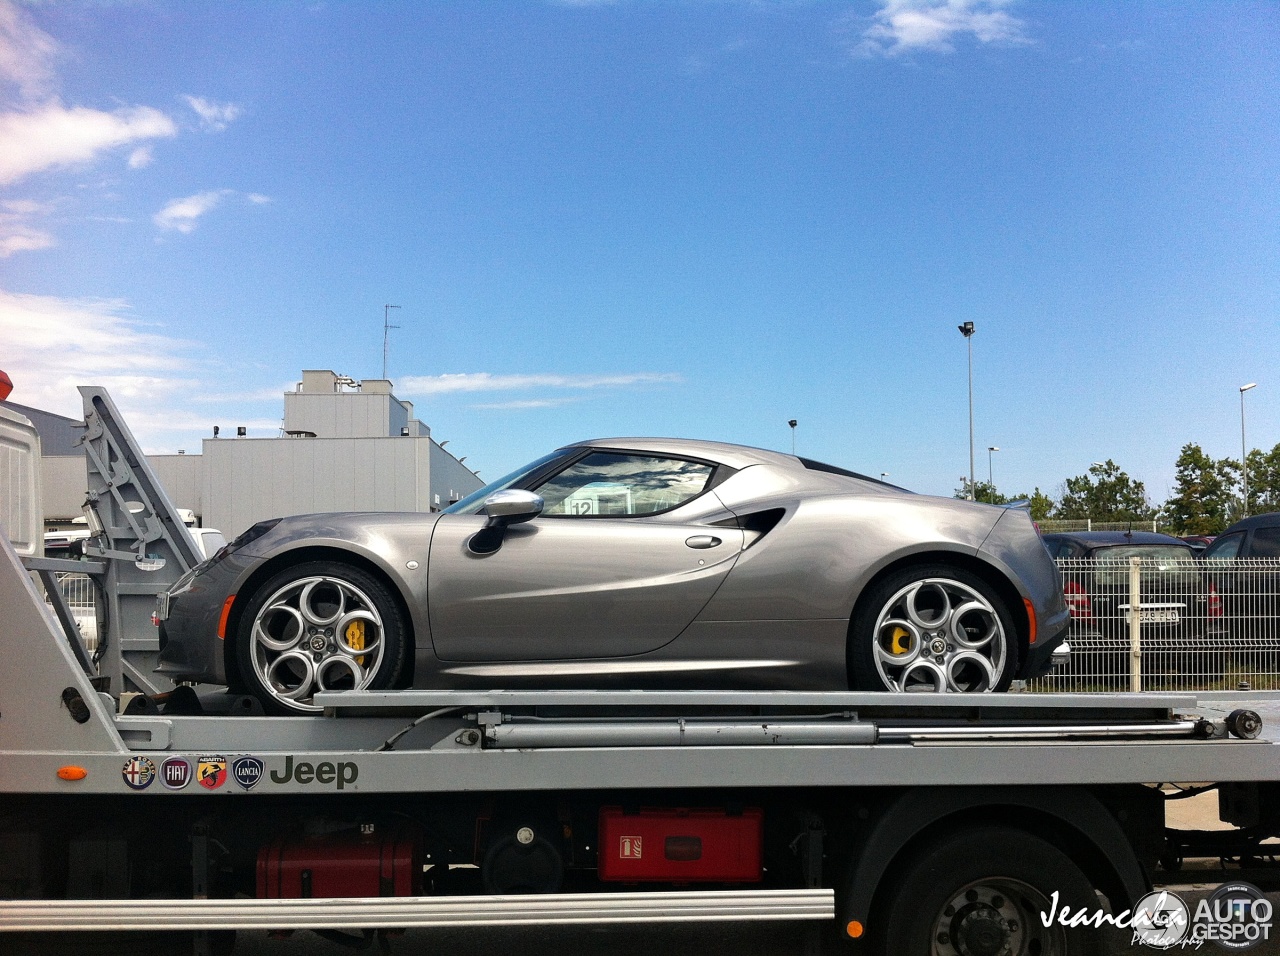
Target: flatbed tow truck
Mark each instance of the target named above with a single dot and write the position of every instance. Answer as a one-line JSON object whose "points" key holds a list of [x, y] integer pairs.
{"points": [[951, 824]]}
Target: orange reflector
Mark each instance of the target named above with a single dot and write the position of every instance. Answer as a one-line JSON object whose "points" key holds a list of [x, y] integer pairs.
{"points": [[72, 773], [1031, 620], [854, 929], [222, 621]]}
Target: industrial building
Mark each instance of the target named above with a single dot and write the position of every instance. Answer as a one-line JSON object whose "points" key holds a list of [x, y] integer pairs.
{"points": [[344, 445]]}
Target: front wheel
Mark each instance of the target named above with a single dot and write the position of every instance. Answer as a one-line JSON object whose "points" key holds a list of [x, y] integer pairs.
{"points": [[932, 628], [319, 626], [988, 892]]}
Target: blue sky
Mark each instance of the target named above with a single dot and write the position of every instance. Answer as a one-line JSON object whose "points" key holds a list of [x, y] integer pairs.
{"points": [[697, 218]]}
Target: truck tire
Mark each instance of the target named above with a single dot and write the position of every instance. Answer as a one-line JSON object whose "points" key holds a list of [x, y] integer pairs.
{"points": [[321, 625], [981, 892], [932, 627]]}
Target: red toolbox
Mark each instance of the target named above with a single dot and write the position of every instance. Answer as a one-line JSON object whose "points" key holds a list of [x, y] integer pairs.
{"points": [[370, 861], [680, 845]]}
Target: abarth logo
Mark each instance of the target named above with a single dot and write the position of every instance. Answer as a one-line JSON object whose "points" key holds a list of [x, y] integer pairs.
{"points": [[211, 772]]}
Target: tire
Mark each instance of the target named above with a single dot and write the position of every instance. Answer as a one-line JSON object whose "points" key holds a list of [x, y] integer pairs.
{"points": [[982, 891], [321, 625], [932, 627]]}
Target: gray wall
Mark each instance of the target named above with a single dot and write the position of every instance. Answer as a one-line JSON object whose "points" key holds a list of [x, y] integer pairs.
{"points": [[449, 479], [65, 481], [249, 479]]}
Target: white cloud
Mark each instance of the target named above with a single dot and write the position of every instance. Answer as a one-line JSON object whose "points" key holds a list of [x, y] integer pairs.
{"points": [[487, 382], [54, 135], [901, 26], [258, 199], [214, 117], [181, 214], [526, 404], [17, 234], [26, 53], [141, 157], [53, 344]]}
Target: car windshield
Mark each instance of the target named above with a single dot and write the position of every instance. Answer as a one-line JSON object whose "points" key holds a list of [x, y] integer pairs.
{"points": [[1113, 563], [473, 502]]}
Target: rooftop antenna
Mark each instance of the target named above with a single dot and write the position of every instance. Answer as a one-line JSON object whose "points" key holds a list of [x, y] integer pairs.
{"points": [[386, 332]]}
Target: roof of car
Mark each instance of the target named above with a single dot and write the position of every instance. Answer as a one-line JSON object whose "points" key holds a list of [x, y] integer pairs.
{"points": [[1102, 539], [1269, 520], [736, 456]]}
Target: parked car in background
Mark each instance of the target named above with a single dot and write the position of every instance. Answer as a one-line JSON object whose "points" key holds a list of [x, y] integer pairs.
{"points": [[636, 562], [1250, 588], [1198, 542], [1180, 610]]}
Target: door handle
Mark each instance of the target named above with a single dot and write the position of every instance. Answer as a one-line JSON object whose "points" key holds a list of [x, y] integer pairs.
{"points": [[702, 541]]}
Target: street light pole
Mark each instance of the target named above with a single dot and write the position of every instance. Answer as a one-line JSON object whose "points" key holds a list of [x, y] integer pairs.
{"points": [[792, 422], [967, 330], [991, 483], [1244, 454]]}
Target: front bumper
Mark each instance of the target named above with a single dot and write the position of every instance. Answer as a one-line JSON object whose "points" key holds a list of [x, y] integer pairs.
{"points": [[190, 649]]}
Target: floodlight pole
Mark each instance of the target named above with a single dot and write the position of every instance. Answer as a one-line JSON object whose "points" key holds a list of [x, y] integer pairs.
{"points": [[386, 332], [991, 482], [792, 422], [1244, 453], [967, 330]]}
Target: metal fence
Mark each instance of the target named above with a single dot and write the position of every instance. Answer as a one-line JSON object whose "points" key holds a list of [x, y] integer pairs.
{"points": [[1199, 625], [79, 590], [1050, 525]]}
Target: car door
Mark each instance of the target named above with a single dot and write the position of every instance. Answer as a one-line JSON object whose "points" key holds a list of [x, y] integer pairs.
{"points": [[621, 560]]}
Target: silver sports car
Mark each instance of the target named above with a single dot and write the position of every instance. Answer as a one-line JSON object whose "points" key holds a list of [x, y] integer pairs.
{"points": [[633, 562]]}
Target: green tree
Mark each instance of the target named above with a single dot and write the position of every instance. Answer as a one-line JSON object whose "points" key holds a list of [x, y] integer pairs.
{"points": [[1104, 494], [1264, 480], [1204, 489], [982, 491], [1041, 505]]}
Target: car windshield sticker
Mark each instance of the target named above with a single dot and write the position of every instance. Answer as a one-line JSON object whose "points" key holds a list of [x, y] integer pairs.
{"points": [[247, 771], [175, 773], [138, 773], [211, 772]]}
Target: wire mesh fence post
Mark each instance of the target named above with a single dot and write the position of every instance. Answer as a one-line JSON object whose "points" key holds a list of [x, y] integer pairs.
{"points": [[1135, 624]]}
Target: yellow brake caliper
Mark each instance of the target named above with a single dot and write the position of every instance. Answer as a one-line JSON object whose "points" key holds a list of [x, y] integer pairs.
{"points": [[355, 638], [900, 643]]}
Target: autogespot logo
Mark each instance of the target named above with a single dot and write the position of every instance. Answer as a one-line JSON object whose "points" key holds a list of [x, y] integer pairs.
{"points": [[1236, 917]]}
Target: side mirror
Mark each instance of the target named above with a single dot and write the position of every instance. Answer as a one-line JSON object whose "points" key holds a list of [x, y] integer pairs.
{"points": [[512, 506], [504, 508]]}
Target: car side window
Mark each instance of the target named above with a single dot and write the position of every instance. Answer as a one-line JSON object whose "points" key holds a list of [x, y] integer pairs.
{"points": [[614, 484], [1266, 543], [1225, 547]]}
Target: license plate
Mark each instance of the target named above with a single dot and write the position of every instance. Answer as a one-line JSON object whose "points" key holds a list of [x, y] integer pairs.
{"points": [[1155, 615]]}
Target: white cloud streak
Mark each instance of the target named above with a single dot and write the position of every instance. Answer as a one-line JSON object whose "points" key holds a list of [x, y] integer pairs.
{"points": [[214, 117], [521, 405], [487, 382], [903, 26], [53, 135], [17, 234], [181, 214], [54, 344], [26, 53]]}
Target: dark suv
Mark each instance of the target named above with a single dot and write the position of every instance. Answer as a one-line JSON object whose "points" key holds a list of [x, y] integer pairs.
{"points": [[1250, 589], [1180, 610]]}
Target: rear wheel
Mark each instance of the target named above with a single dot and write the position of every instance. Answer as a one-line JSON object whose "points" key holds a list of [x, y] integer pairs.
{"points": [[982, 892], [932, 628], [318, 626]]}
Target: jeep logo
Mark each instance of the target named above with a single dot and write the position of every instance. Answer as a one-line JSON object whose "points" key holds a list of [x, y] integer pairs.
{"points": [[323, 773]]}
